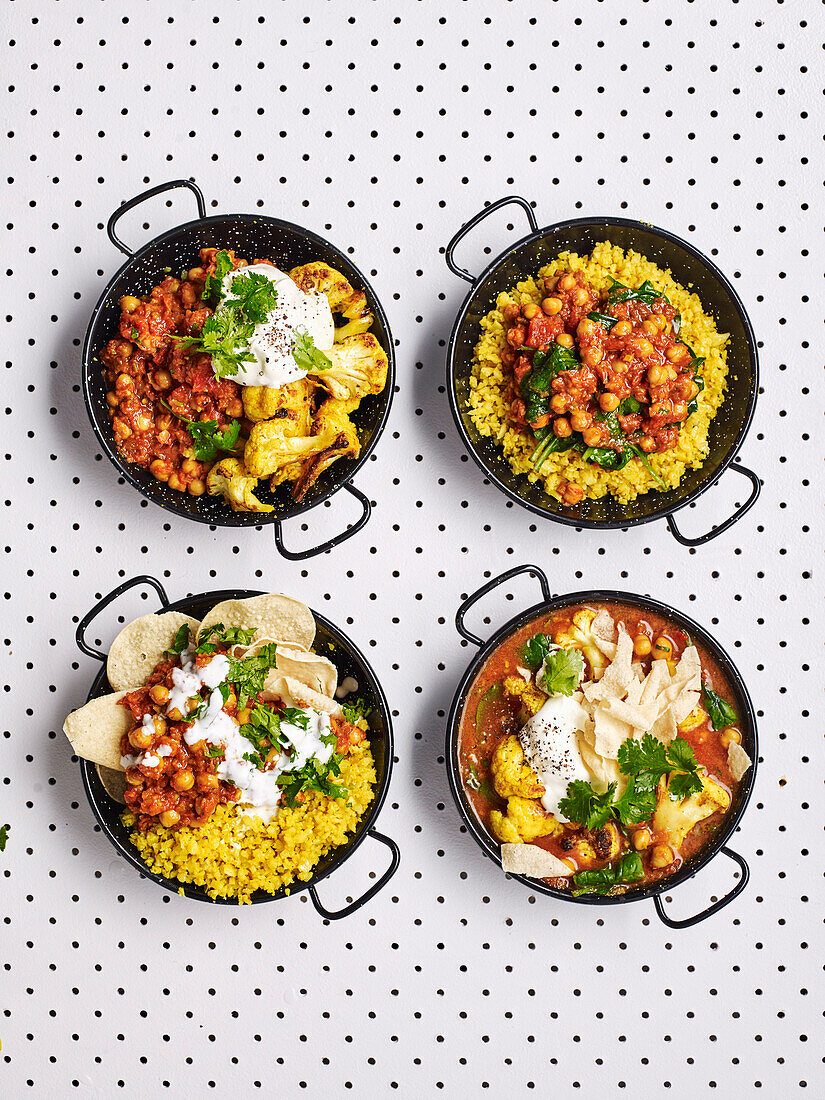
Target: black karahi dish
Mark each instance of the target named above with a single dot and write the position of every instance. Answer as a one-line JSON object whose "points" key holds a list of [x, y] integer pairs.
{"points": [[249, 234], [746, 724], [690, 268], [350, 663]]}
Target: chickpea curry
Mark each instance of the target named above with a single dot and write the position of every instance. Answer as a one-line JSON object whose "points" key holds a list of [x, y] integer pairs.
{"points": [[603, 373], [236, 372], [599, 747]]}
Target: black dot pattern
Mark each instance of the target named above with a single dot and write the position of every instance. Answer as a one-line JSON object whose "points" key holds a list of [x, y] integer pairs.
{"points": [[384, 127]]}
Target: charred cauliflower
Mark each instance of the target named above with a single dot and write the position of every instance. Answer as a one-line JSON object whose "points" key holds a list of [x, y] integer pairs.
{"points": [[320, 278], [359, 366], [229, 478], [531, 698], [291, 402], [512, 775], [579, 635]]}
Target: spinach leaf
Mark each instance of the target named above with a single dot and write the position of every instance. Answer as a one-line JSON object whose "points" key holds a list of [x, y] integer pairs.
{"points": [[603, 319], [628, 869], [721, 713], [646, 293], [629, 405], [535, 385]]}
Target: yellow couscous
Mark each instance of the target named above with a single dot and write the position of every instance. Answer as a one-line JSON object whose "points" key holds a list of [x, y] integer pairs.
{"points": [[236, 853], [490, 384]]}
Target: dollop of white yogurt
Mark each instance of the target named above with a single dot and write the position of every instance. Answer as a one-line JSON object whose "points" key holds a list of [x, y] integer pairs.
{"points": [[550, 740], [272, 341]]}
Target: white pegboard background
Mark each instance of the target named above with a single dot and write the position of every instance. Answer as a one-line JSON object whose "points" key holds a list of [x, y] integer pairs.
{"points": [[384, 126]]}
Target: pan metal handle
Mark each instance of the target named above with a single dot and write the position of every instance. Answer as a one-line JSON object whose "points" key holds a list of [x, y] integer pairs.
{"points": [[336, 540], [161, 187], [474, 221], [534, 570], [689, 922], [337, 914], [80, 634], [700, 540]]}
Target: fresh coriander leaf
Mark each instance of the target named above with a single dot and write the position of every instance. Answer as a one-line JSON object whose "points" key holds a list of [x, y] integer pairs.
{"points": [[295, 717], [248, 674], [637, 803], [536, 649], [207, 439], [586, 806], [306, 355], [681, 786], [134, 334], [254, 295], [227, 637], [313, 776], [224, 336], [721, 713], [645, 755], [355, 710], [214, 750], [561, 672], [629, 405], [179, 643], [4, 836], [213, 284]]}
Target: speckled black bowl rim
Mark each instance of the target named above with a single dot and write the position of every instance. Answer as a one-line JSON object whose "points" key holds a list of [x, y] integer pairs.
{"points": [[91, 781], [340, 477], [570, 519], [746, 723]]}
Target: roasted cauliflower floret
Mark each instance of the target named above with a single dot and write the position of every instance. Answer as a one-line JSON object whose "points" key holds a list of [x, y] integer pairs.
{"points": [[676, 819], [320, 278], [230, 479], [532, 699], [607, 842], [694, 719], [503, 828], [333, 425], [291, 402], [578, 635], [530, 818], [512, 775], [359, 366]]}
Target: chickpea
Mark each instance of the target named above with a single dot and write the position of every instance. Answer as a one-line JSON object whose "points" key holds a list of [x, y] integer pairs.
{"points": [[559, 402], [608, 402], [641, 839], [160, 725], [159, 694], [691, 391], [566, 282], [175, 482], [174, 715], [592, 437], [184, 780], [561, 427], [621, 328], [133, 777], [207, 782], [647, 444], [530, 310], [235, 408], [644, 348], [620, 366], [124, 382], [661, 855], [650, 326], [676, 353], [679, 410], [112, 400], [189, 466], [580, 419], [121, 428], [662, 649], [641, 645], [565, 340], [593, 356], [169, 818], [586, 327], [656, 375], [160, 469], [515, 337], [551, 306], [128, 303], [580, 296], [163, 379], [730, 737], [143, 421], [140, 738], [510, 312], [163, 422], [196, 488]]}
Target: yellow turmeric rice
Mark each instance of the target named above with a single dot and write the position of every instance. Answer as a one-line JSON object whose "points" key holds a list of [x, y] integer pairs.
{"points": [[236, 853], [488, 385]]}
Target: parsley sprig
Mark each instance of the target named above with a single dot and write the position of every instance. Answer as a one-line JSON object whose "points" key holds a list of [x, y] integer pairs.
{"points": [[536, 649], [248, 674], [213, 284], [644, 762], [225, 336]]}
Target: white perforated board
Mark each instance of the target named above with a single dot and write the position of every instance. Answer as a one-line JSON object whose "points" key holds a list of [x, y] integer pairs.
{"points": [[384, 127]]}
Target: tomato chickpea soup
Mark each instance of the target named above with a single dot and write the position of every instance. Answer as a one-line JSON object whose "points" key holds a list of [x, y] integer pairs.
{"points": [[600, 375], [599, 746], [236, 372]]}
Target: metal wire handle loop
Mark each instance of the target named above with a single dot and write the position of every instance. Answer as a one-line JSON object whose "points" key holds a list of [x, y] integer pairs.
{"points": [[449, 251], [80, 633], [689, 922], [337, 914], [488, 587], [336, 540], [138, 199]]}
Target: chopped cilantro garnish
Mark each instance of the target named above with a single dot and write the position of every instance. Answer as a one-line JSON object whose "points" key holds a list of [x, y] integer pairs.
{"points": [[561, 672], [355, 710], [306, 355], [179, 642], [254, 295], [213, 284], [214, 750], [226, 637], [248, 674], [313, 776], [207, 439]]}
